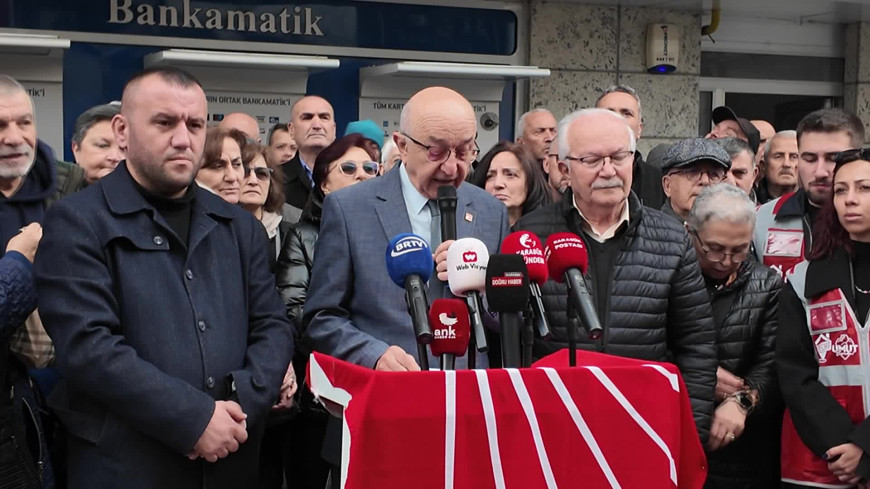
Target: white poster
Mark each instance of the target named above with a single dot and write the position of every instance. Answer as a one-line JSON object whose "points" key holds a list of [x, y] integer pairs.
{"points": [[267, 108], [48, 109]]}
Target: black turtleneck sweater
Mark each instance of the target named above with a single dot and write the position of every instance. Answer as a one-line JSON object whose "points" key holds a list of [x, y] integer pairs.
{"points": [[176, 212], [861, 270]]}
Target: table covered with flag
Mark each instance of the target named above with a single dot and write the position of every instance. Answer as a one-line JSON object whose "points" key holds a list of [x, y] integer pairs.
{"points": [[610, 422]]}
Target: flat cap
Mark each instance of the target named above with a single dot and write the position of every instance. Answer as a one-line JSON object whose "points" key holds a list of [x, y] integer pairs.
{"points": [[694, 150]]}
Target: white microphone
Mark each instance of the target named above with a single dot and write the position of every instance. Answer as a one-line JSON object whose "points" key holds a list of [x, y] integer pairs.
{"points": [[466, 275]]}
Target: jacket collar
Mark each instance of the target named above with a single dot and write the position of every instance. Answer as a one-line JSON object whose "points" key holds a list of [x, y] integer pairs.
{"points": [[792, 205], [575, 222], [829, 273]]}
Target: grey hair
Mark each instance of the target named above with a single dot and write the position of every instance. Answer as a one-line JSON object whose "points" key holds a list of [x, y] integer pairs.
{"points": [[722, 201], [521, 123], [10, 86], [568, 120], [781, 134], [621, 89], [388, 148], [735, 146], [90, 117]]}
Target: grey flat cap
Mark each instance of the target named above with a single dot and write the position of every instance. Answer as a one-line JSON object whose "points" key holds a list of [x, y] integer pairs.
{"points": [[690, 151]]}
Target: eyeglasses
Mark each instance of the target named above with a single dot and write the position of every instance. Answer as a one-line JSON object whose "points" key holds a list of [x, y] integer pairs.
{"points": [[851, 155], [440, 154], [719, 256], [263, 173], [594, 161], [715, 175], [368, 167]]}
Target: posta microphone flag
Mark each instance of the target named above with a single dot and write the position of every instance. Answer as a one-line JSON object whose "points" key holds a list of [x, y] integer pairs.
{"points": [[528, 246], [450, 327], [408, 254], [563, 252], [466, 266]]}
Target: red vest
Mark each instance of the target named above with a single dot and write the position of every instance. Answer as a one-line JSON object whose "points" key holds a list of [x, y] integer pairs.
{"points": [[779, 240], [843, 354]]}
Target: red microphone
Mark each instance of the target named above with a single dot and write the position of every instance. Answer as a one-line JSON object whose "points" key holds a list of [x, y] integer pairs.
{"points": [[567, 261], [528, 245], [451, 329]]}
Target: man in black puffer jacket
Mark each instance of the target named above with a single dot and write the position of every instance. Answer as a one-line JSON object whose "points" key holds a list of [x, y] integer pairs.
{"points": [[643, 275]]}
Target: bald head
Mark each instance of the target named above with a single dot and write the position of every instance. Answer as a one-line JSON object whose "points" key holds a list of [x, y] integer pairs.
{"points": [[244, 123], [443, 120]]}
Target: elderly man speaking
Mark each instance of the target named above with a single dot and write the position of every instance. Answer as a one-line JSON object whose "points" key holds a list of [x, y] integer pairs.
{"points": [[643, 273]]}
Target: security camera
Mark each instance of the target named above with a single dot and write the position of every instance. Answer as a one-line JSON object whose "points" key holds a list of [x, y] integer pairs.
{"points": [[489, 121]]}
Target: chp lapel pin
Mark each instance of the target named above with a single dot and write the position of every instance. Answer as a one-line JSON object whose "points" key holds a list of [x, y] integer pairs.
{"points": [[469, 217]]}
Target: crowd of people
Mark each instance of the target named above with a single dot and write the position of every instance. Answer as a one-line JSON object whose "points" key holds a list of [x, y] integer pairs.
{"points": [[160, 297]]}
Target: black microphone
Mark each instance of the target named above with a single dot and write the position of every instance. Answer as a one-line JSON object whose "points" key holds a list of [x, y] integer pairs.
{"points": [[447, 206], [507, 293]]}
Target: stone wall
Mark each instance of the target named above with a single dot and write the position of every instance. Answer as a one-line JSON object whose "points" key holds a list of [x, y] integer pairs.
{"points": [[588, 48], [856, 87]]}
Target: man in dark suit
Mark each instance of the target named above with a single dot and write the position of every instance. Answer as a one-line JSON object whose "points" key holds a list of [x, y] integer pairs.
{"points": [[354, 311], [169, 332], [312, 123]]}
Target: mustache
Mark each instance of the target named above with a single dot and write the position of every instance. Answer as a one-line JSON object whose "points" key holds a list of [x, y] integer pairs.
{"points": [[20, 149], [614, 182], [821, 181]]}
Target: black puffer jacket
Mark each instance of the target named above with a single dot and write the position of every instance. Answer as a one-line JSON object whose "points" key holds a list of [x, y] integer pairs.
{"points": [[293, 268], [658, 308], [746, 320]]}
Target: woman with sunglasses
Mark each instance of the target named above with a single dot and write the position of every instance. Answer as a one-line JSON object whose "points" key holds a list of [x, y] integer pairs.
{"points": [[222, 171], [263, 196], [510, 173], [345, 162], [744, 295], [822, 351]]}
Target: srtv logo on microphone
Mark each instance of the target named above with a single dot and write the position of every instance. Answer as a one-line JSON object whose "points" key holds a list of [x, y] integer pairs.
{"points": [[447, 332]]}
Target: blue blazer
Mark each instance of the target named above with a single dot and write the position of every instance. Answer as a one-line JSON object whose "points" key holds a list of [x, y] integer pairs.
{"points": [[354, 311]]}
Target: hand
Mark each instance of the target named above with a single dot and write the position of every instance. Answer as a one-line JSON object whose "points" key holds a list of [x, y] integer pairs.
{"points": [[224, 433], [26, 241], [440, 258], [727, 384], [288, 389], [396, 360], [844, 460], [728, 423]]}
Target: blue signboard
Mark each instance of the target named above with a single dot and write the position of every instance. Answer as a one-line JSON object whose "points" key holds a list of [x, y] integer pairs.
{"points": [[373, 25]]}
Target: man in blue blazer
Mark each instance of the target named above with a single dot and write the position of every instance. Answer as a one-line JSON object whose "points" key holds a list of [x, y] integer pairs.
{"points": [[354, 311]]}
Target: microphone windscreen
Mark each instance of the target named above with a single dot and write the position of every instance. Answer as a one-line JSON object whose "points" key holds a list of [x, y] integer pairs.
{"points": [[564, 251], [451, 327], [528, 245], [507, 283], [408, 254], [466, 266]]}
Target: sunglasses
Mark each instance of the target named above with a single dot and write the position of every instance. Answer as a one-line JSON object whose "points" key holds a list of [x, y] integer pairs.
{"points": [[263, 173], [368, 167], [851, 155]]}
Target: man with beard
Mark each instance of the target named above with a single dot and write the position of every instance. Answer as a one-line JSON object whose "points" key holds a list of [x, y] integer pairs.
{"points": [[170, 335], [312, 123], [557, 180], [783, 233]]}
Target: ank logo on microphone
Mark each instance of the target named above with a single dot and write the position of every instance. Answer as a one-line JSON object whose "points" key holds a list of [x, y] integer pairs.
{"points": [[407, 245], [447, 332]]}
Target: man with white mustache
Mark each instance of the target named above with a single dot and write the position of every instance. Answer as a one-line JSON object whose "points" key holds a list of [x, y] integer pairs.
{"points": [[643, 277], [688, 167]]}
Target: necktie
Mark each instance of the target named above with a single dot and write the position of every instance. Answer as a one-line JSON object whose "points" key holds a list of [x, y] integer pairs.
{"points": [[436, 287]]}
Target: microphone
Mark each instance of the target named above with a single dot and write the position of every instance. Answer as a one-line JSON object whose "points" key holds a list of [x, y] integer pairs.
{"points": [[409, 264], [450, 330], [567, 260], [466, 276], [447, 207], [507, 292], [528, 245]]}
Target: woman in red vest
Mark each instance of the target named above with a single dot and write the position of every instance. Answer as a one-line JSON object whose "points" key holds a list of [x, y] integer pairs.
{"points": [[823, 341]]}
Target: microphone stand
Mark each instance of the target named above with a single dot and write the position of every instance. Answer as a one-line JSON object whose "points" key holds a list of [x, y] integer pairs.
{"points": [[528, 337], [573, 329]]}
